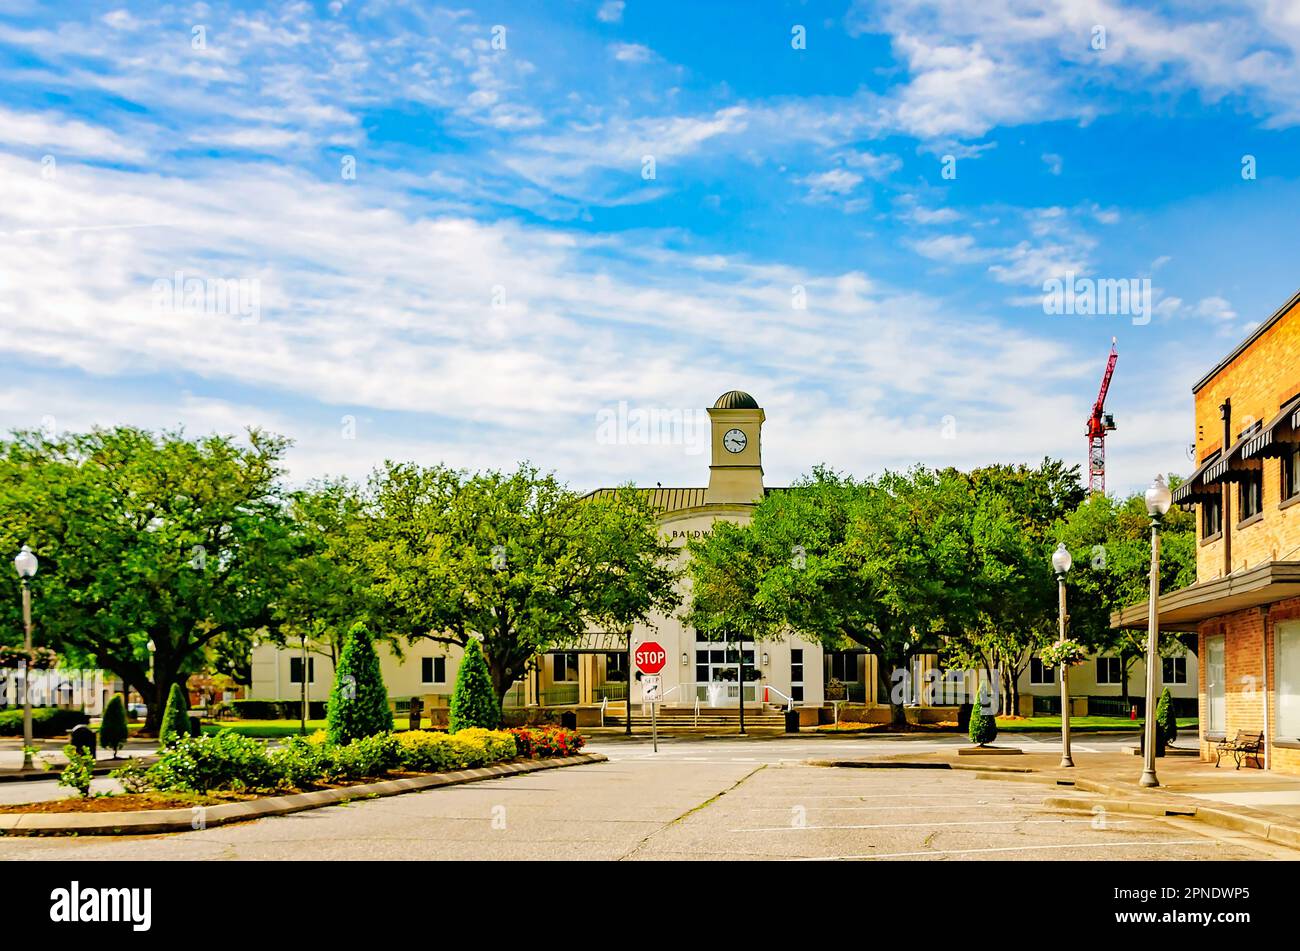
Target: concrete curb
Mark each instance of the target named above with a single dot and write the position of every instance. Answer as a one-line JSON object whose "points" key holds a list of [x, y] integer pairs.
{"points": [[1249, 821], [1118, 799], [149, 822]]}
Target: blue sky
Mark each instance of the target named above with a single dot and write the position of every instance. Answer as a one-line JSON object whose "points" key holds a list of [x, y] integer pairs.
{"points": [[453, 246]]}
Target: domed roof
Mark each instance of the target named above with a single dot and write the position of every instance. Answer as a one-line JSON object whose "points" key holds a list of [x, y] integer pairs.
{"points": [[736, 399]]}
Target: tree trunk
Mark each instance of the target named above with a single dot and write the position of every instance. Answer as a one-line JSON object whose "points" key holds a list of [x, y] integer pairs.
{"points": [[885, 687]]}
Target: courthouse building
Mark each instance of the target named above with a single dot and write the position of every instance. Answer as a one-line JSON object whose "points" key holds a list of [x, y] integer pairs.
{"points": [[1245, 604], [592, 674], [595, 670]]}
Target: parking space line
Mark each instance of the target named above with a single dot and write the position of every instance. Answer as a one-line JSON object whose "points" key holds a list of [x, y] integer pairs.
{"points": [[1013, 848], [933, 825]]}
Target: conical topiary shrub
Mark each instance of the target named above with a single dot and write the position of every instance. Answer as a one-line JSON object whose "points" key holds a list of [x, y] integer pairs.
{"points": [[358, 704], [474, 700], [983, 726], [1166, 722], [113, 729], [176, 717]]}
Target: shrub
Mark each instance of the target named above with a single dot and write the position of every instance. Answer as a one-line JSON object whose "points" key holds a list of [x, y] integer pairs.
{"points": [[301, 761], [77, 774], [223, 760], [176, 717], [1166, 722], [46, 721], [474, 701], [547, 741], [134, 776], [113, 729], [364, 757], [358, 705], [427, 751], [983, 726]]}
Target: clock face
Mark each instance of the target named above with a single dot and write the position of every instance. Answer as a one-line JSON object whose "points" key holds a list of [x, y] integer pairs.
{"points": [[733, 440]]}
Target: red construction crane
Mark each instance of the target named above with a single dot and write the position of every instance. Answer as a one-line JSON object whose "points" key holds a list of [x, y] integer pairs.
{"points": [[1099, 424]]}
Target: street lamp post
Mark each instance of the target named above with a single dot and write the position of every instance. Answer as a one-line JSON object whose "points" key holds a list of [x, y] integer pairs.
{"points": [[1061, 562], [303, 699], [1158, 498], [25, 563]]}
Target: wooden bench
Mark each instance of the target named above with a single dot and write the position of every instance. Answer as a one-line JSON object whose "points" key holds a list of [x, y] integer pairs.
{"points": [[1243, 746]]}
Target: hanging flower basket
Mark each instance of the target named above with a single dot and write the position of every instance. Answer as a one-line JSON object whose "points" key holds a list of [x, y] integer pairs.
{"points": [[1063, 653]]}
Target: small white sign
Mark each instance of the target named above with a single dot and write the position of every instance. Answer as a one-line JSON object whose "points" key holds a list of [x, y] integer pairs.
{"points": [[651, 687]]}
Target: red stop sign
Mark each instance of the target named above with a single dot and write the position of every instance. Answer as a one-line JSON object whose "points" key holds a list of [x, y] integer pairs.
{"points": [[650, 658]]}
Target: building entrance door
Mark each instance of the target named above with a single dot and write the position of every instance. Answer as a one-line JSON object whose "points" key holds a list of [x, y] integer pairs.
{"points": [[717, 673]]}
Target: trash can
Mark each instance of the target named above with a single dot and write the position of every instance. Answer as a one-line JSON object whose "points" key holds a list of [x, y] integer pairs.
{"points": [[792, 721], [963, 716], [417, 708], [196, 726], [569, 720], [83, 738]]}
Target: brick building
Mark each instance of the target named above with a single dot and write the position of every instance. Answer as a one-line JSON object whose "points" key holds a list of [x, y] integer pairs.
{"points": [[1245, 605]]}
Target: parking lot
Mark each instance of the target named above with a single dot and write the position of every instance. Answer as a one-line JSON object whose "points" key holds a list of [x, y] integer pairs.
{"points": [[694, 800]]}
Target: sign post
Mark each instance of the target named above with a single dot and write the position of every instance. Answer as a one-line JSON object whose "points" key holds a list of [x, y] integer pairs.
{"points": [[650, 658]]}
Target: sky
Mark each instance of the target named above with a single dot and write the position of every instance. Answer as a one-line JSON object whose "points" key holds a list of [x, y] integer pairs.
{"points": [[476, 234]]}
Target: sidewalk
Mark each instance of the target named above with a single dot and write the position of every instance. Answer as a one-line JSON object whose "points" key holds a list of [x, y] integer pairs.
{"points": [[1248, 800]]}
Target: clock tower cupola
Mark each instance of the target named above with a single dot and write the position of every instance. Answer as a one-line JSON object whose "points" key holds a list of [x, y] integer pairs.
{"points": [[736, 469]]}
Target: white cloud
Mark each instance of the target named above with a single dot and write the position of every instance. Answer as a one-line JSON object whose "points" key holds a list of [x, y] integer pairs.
{"points": [[1053, 162], [1216, 308], [611, 11], [631, 52], [62, 136]]}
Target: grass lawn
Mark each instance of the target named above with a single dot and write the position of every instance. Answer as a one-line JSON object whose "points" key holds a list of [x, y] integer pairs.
{"points": [[263, 729], [1114, 724]]}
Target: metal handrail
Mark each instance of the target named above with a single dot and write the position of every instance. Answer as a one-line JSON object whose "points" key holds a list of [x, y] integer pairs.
{"points": [[604, 703], [789, 701]]}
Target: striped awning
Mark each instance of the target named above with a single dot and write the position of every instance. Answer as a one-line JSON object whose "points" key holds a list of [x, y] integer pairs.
{"points": [[1278, 437], [1198, 488]]}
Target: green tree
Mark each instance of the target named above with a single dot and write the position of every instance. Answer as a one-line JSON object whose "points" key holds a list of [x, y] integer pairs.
{"points": [[514, 559], [1110, 540], [327, 587], [358, 705], [176, 717], [113, 728], [983, 719], [1011, 608], [147, 539], [880, 564], [474, 701], [1166, 721]]}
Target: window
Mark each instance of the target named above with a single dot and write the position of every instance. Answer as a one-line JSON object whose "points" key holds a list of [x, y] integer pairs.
{"points": [[1215, 696], [1211, 517], [1291, 474], [844, 666], [1250, 495], [796, 673], [564, 669], [616, 667], [295, 670], [1286, 661], [433, 670], [1110, 670], [1040, 673], [1173, 670]]}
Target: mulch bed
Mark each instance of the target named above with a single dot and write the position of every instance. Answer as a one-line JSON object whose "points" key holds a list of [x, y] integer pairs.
{"points": [[130, 802]]}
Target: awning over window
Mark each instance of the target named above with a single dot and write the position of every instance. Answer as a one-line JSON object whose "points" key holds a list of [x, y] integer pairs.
{"points": [[1279, 437], [1184, 609], [1198, 488]]}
